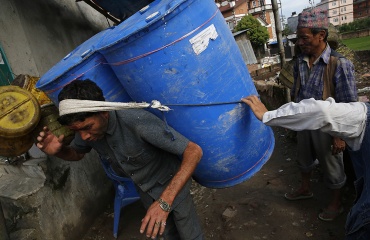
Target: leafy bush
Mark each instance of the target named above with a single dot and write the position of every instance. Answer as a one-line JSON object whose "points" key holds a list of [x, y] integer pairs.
{"points": [[258, 34], [355, 25]]}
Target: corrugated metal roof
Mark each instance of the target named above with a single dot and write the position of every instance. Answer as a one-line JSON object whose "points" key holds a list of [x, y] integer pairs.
{"points": [[239, 32], [246, 50]]}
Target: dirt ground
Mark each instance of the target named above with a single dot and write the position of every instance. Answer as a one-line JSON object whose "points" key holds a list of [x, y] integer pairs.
{"points": [[256, 208]]}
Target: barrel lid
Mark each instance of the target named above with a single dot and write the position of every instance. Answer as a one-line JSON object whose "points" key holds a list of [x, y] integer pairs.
{"points": [[72, 59], [19, 111], [142, 19], [139, 21]]}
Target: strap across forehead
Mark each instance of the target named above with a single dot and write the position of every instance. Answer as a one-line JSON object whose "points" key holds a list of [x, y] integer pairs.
{"points": [[69, 106]]}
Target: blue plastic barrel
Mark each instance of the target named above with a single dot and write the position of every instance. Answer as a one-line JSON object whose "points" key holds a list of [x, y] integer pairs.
{"points": [[83, 63], [182, 53]]}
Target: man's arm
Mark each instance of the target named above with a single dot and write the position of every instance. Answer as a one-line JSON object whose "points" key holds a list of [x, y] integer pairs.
{"points": [[344, 120], [345, 91], [345, 81], [155, 214], [53, 146], [191, 157]]}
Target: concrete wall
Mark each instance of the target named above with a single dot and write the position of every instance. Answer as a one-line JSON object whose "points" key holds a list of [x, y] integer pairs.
{"points": [[35, 35], [52, 198]]}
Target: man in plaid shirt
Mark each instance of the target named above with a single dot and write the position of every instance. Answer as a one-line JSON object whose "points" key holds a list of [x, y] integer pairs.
{"points": [[319, 73]]}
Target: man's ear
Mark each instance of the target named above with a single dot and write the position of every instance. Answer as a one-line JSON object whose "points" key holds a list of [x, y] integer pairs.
{"points": [[322, 34]]}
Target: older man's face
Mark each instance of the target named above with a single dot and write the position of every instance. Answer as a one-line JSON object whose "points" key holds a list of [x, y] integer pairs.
{"points": [[308, 42]]}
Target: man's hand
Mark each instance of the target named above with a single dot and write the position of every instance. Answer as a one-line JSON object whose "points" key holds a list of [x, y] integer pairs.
{"points": [[256, 106], [154, 221], [338, 146], [48, 142]]}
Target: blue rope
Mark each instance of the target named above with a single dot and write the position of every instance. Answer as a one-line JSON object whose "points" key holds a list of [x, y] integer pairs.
{"points": [[203, 104], [167, 128]]}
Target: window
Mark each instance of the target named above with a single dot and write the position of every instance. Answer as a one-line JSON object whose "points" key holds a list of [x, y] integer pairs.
{"points": [[334, 3]]}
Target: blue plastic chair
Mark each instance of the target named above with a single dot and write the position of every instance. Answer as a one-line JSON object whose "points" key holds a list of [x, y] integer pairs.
{"points": [[125, 192]]}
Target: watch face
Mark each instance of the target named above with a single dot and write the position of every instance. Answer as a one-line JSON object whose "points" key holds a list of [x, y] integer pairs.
{"points": [[164, 205]]}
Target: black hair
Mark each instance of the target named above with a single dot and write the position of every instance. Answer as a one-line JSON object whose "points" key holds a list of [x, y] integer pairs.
{"points": [[83, 90], [315, 31]]}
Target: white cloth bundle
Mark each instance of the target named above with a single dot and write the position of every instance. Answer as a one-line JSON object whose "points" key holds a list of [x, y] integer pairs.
{"points": [[69, 106]]}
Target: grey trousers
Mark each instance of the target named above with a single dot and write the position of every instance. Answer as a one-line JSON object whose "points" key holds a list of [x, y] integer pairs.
{"points": [[317, 145]]}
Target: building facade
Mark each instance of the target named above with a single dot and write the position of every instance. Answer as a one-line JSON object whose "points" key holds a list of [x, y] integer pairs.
{"points": [[361, 9], [234, 11], [339, 11], [262, 10]]}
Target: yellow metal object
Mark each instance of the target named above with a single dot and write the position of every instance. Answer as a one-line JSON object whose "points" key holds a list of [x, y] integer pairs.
{"points": [[49, 118], [19, 115], [29, 83]]}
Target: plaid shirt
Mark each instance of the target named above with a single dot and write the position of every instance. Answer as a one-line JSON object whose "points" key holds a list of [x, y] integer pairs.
{"points": [[312, 79]]}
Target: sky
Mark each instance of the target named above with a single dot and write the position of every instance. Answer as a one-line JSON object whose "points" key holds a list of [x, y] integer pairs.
{"points": [[289, 6]]}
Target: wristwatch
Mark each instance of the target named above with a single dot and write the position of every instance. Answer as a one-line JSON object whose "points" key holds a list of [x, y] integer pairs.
{"points": [[164, 205]]}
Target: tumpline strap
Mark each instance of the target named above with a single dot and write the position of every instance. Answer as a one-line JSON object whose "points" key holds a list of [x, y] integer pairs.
{"points": [[69, 106]]}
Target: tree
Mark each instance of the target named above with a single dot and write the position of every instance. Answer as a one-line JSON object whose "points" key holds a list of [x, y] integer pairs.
{"points": [[286, 31], [258, 34]]}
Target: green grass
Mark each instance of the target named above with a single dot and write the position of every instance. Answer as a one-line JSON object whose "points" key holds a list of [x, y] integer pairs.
{"points": [[362, 43]]}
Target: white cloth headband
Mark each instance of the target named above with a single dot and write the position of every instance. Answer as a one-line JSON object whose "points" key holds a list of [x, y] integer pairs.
{"points": [[69, 106]]}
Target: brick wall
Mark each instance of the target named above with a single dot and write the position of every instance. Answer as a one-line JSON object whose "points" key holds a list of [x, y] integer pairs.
{"points": [[355, 34], [266, 72]]}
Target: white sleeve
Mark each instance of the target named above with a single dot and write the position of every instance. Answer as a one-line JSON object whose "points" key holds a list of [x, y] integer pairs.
{"points": [[344, 120], [308, 114]]}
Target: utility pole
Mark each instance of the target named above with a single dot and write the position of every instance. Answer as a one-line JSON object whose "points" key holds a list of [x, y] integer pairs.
{"points": [[275, 9]]}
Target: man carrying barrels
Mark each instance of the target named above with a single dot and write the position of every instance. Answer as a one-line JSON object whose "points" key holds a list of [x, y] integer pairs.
{"points": [[158, 159], [349, 121]]}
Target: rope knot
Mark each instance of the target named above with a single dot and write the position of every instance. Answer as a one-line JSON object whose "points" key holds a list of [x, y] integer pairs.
{"points": [[157, 105]]}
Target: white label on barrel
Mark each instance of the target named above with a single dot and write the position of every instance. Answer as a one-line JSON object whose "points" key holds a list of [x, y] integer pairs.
{"points": [[201, 40]]}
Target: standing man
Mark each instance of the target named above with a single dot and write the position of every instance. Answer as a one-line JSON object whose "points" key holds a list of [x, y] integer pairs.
{"points": [[320, 73], [158, 159]]}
